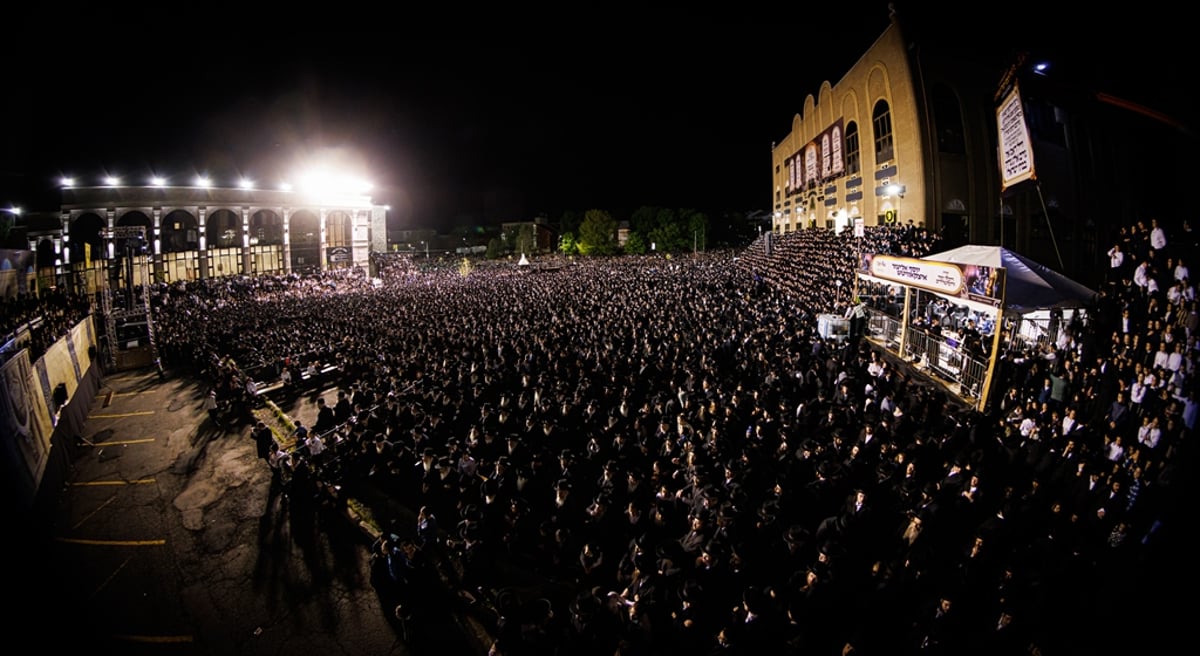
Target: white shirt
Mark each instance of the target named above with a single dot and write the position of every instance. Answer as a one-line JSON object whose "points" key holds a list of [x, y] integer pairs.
{"points": [[1160, 359], [1137, 392], [1028, 425], [315, 445], [1158, 238], [1141, 275], [1115, 258], [1068, 424], [1149, 435]]}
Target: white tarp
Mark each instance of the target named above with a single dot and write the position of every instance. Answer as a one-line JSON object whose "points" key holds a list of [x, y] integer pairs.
{"points": [[1028, 284]]}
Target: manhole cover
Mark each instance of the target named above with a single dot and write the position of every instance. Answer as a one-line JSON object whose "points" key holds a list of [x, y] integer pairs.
{"points": [[175, 405]]}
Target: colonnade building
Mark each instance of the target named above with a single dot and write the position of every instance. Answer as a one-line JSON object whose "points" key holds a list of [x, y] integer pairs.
{"points": [[196, 233]]}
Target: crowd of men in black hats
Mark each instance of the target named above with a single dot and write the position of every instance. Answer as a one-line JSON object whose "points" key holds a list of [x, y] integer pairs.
{"points": [[676, 448]]}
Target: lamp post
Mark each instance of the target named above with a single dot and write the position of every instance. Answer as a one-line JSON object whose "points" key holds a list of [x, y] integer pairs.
{"points": [[6, 228], [897, 190]]}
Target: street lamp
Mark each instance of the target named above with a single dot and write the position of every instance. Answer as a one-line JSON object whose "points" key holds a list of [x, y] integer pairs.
{"points": [[897, 190]]}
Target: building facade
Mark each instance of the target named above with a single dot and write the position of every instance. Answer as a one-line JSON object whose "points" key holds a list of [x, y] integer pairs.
{"points": [[909, 135], [197, 233], [888, 144]]}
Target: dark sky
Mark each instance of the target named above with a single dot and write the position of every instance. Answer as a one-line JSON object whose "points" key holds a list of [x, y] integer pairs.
{"points": [[476, 130]]}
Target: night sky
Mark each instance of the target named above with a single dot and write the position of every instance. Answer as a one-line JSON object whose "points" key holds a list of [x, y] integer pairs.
{"points": [[458, 131]]}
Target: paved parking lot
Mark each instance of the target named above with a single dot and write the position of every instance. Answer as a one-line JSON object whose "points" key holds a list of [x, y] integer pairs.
{"points": [[168, 540]]}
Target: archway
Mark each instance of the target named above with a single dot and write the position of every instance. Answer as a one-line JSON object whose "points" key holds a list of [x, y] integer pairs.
{"points": [[86, 238], [305, 229], [266, 228], [133, 219], [179, 232], [339, 239]]}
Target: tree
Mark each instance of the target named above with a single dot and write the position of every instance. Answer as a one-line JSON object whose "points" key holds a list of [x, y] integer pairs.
{"points": [[598, 233], [644, 219], [697, 227], [525, 240], [635, 244], [567, 244], [570, 222], [495, 249], [668, 238]]}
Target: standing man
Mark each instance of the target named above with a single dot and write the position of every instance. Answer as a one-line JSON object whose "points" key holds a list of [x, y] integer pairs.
{"points": [[263, 439], [212, 407]]}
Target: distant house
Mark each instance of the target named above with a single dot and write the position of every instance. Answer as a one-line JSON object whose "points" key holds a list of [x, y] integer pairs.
{"points": [[543, 234], [623, 233]]}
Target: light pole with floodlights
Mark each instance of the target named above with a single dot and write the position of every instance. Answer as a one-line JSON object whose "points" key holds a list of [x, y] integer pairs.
{"points": [[897, 190]]}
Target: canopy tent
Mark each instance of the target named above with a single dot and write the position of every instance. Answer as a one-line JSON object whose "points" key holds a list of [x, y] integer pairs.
{"points": [[1029, 285]]}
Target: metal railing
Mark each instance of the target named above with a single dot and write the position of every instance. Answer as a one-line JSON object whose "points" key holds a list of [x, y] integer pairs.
{"points": [[935, 356]]}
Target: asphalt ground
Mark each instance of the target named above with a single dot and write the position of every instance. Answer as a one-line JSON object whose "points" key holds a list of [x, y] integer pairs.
{"points": [[169, 539]]}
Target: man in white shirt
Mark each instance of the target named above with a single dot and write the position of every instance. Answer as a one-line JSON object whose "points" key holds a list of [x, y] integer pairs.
{"points": [[1116, 263], [316, 446], [1161, 356], [1175, 361], [1158, 237], [1141, 275], [1070, 423], [1149, 432]]}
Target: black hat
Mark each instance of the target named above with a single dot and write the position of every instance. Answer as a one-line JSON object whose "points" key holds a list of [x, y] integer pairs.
{"points": [[796, 534]]}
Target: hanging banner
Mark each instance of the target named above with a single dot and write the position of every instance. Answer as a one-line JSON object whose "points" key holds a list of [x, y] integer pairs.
{"points": [[982, 284], [1015, 148]]}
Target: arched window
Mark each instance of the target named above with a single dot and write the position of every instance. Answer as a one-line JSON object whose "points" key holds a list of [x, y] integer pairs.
{"points": [[881, 120], [853, 156]]}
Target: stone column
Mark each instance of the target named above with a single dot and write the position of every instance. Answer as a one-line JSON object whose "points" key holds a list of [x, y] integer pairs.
{"points": [[110, 216], [66, 238], [287, 240], [321, 242], [246, 263], [202, 255], [156, 240]]}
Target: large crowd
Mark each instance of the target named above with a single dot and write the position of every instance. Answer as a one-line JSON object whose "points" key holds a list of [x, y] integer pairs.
{"points": [[35, 321], [674, 443]]}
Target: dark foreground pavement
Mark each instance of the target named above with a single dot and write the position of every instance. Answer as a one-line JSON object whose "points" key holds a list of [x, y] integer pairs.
{"points": [[168, 539]]}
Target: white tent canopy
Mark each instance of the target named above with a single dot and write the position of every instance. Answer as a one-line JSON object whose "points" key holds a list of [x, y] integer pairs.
{"points": [[1029, 285]]}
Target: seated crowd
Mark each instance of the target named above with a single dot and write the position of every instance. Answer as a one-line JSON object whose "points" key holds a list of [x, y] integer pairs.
{"points": [[47, 317], [692, 468]]}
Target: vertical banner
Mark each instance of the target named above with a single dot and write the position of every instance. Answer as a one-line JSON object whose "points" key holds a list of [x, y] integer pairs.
{"points": [[1015, 151], [24, 418]]}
